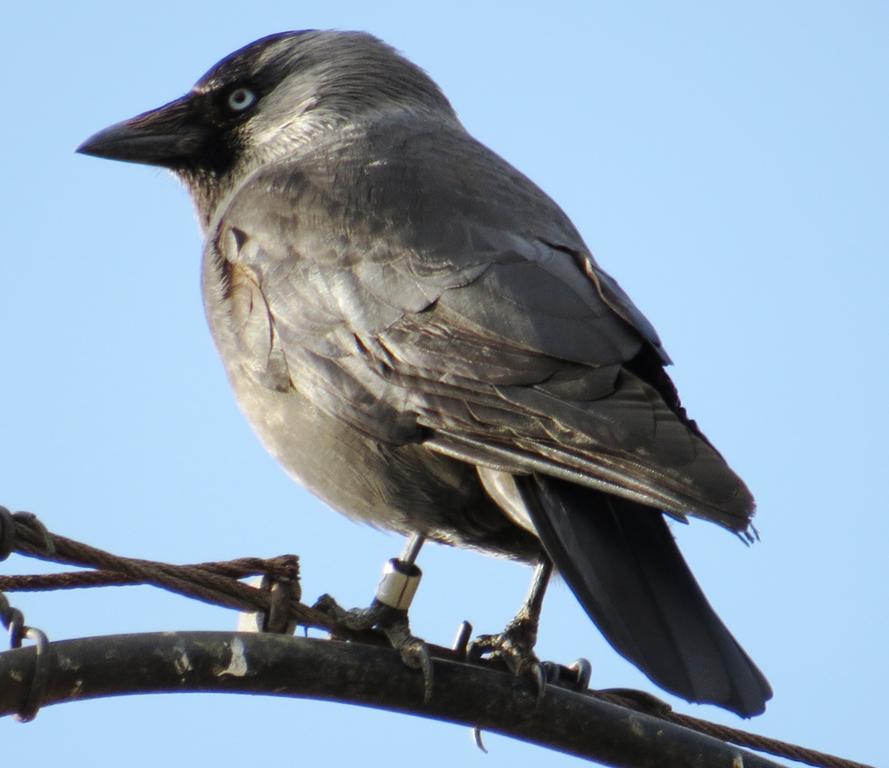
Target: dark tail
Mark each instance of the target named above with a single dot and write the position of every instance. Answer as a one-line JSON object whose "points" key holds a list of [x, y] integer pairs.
{"points": [[623, 565]]}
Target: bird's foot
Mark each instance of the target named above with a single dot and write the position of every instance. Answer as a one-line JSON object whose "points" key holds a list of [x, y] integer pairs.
{"points": [[514, 647], [393, 623], [352, 619], [413, 650]]}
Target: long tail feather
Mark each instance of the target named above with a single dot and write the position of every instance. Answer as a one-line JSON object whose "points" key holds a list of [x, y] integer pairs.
{"points": [[622, 563]]}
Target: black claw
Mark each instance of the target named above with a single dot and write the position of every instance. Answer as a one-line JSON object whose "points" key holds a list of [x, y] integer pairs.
{"points": [[420, 659], [477, 735], [584, 671], [414, 651], [575, 677]]}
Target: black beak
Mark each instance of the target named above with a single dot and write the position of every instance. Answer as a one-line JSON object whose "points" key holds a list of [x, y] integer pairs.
{"points": [[167, 136]]}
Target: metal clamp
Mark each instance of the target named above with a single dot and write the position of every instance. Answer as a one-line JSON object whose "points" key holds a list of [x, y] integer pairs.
{"points": [[8, 522], [283, 589], [281, 593]]}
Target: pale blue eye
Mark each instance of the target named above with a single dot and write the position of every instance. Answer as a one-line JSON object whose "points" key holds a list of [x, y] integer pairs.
{"points": [[240, 99]]}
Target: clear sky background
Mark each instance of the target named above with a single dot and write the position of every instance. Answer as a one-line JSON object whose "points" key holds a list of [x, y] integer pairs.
{"points": [[727, 163]]}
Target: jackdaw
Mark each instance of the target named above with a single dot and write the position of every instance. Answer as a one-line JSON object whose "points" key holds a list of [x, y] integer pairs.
{"points": [[421, 337]]}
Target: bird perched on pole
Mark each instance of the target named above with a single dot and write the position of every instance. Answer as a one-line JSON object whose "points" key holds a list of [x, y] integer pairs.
{"points": [[421, 337]]}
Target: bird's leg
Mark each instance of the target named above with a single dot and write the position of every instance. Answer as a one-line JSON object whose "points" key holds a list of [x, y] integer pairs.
{"points": [[388, 611], [515, 645]]}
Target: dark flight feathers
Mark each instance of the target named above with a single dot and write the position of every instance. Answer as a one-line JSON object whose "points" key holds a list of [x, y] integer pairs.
{"points": [[622, 563]]}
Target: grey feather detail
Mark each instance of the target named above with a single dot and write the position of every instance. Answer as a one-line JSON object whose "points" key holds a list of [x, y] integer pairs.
{"points": [[557, 465], [495, 338]]}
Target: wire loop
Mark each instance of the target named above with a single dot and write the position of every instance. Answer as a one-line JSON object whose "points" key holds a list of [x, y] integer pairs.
{"points": [[14, 620]]}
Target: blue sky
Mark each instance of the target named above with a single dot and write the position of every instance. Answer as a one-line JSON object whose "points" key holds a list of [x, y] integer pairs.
{"points": [[727, 164]]}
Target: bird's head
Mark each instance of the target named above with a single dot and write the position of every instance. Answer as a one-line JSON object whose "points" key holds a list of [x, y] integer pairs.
{"points": [[263, 101]]}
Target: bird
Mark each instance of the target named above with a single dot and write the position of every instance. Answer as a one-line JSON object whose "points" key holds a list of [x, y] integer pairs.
{"points": [[422, 338]]}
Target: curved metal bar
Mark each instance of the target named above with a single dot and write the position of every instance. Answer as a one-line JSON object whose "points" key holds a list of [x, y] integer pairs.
{"points": [[231, 662]]}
